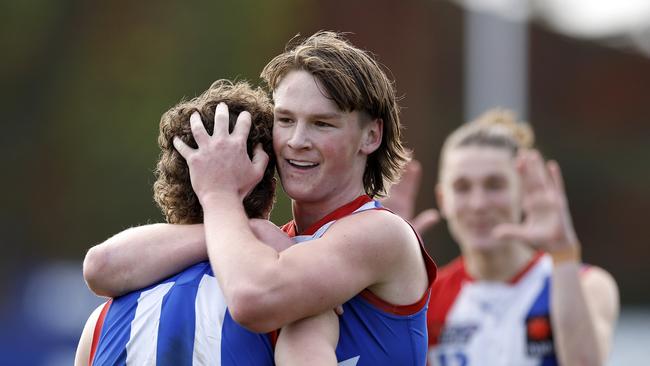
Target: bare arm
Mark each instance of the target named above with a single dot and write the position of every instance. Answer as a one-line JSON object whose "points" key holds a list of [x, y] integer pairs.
{"points": [[143, 255], [140, 256], [264, 289], [309, 341], [82, 357], [584, 307]]}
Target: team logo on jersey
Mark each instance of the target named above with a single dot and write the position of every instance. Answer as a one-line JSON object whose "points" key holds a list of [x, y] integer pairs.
{"points": [[539, 336], [458, 333]]}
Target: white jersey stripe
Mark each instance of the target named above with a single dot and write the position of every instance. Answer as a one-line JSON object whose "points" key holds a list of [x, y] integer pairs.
{"points": [[210, 311], [141, 348]]}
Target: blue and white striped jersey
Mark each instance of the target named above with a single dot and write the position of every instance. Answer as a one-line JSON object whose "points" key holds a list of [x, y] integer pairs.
{"points": [[182, 320]]}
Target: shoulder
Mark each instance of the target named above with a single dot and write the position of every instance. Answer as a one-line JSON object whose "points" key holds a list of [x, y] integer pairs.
{"points": [[602, 298], [380, 240], [600, 287], [270, 234], [376, 230], [378, 223]]}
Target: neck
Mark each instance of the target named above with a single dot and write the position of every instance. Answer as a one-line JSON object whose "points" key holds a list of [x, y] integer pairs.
{"points": [[306, 214], [498, 265]]}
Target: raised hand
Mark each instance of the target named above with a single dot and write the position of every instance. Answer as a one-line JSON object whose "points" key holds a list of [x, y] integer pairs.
{"points": [[220, 163], [403, 195], [547, 221]]}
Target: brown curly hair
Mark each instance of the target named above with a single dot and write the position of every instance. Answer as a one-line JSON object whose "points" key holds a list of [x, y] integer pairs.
{"points": [[173, 189], [355, 82]]}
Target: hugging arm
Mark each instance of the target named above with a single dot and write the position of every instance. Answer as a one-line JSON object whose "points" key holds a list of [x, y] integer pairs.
{"points": [[140, 256], [309, 341]]}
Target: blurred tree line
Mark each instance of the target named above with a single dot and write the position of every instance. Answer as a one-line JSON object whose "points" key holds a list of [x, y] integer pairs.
{"points": [[85, 83]]}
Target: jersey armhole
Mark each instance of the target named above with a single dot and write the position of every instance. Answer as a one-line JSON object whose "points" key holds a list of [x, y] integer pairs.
{"points": [[98, 331]]}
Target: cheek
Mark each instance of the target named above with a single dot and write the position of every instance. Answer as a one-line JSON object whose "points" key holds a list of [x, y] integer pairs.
{"points": [[331, 150], [452, 204], [276, 147], [337, 150], [277, 141], [509, 203]]}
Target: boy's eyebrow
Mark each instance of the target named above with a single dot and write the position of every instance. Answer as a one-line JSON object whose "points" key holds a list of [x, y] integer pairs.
{"points": [[326, 115]]}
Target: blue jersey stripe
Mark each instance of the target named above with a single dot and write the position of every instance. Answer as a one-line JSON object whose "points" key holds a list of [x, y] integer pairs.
{"points": [[177, 319], [541, 305], [541, 308], [176, 327], [240, 346], [111, 349]]}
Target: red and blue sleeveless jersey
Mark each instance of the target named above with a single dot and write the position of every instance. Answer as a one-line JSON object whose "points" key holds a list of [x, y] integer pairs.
{"points": [[182, 320], [372, 331], [477, 322]]}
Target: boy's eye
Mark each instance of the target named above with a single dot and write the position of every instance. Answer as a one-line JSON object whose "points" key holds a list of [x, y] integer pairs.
{"points": [[461, 186], [495, 183]]}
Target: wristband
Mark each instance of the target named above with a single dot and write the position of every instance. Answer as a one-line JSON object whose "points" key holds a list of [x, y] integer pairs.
{"points": [[571, 253]]}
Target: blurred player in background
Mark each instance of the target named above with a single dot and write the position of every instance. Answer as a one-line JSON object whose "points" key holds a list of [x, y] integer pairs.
{"points": [[519, 294], [336, 135], [183, 320]]}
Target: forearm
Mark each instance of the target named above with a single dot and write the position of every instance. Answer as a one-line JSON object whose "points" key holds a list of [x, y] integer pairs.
{"points": [[309, 341], [574, 332], [246, 267], [140, 256]]}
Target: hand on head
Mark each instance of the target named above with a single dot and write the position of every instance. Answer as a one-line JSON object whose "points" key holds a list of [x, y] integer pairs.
{"points": [[220, 163]]}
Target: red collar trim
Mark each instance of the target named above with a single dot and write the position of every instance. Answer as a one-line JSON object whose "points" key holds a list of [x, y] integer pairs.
{"points": [[527, 268], [348, 208]]}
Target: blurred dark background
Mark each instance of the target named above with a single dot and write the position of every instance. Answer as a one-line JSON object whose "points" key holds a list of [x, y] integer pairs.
{"points": [[84, 85]]}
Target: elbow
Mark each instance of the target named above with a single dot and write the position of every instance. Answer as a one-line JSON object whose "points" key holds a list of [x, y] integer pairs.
{"points": [[94, 272], [251, 310]]}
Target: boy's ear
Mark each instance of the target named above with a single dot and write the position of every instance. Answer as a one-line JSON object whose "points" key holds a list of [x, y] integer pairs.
{"points": [[373, 133], [440, 201]]}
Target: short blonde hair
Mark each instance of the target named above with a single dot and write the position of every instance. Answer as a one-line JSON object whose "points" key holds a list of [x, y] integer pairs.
{"points": [[496, 127]]}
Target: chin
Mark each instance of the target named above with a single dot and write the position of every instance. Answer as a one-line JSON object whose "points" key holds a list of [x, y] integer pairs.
{"points": [[483, 243], [299, 193]]}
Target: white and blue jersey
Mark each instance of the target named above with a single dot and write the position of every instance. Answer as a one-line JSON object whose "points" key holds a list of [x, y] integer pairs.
{"points": [[372, 331], [182, 320], [492, 322]]}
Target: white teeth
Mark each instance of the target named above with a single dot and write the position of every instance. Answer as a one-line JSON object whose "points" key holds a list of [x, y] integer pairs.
{"points": [[304, 164]]}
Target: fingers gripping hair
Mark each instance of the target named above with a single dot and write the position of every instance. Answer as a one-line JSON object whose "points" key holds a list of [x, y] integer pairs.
{"points": [[173, 189]]}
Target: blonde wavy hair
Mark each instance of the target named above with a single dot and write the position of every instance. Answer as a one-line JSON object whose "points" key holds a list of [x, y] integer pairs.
{"points": [[497, 128]]}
